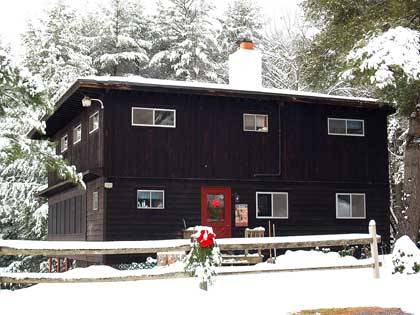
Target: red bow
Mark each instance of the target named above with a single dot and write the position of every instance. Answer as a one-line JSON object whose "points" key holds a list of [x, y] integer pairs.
{"points": [[205, 239]]}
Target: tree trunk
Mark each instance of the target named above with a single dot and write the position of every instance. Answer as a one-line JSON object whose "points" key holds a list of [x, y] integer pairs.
{"points": [[409, 217]]}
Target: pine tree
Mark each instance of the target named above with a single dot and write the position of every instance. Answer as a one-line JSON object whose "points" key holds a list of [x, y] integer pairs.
{"points": [[120, 42], [23, 163], [186, 43], [242, 18], [54, 50]]}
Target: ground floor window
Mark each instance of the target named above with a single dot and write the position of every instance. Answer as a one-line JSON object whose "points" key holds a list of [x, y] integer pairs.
{"points": [[150, 199], [350, 206], [272, 205], [95, 200]]}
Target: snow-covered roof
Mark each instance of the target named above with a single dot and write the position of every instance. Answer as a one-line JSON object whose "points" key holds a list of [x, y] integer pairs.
{"points": [[146, 82]]}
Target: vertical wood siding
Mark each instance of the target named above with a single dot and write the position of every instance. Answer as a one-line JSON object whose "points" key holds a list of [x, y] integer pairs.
{"points": [[208, 147], [86, 154], [67, 215]]}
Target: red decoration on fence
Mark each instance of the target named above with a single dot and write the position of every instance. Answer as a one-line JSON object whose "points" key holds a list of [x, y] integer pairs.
{"points": [[205, 239]]}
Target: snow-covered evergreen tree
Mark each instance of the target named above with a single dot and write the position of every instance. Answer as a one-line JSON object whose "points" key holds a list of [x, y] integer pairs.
{"points": [[184, 41], [242, 18], [23, 163], [119, 42], [54, 49]]}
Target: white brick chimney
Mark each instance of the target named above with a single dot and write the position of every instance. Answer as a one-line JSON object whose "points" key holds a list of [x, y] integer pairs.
{"points": [[245, 67]]}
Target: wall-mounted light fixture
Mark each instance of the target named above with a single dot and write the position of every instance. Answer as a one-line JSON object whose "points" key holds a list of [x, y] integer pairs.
{"points": [[87, 101], [236, 197]]}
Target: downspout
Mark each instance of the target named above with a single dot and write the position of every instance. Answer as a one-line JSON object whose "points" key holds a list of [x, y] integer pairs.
{"points": [[280, 105]]}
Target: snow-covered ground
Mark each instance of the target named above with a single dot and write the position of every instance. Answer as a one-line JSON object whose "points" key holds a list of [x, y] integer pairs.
{"points": [[279, 293]]}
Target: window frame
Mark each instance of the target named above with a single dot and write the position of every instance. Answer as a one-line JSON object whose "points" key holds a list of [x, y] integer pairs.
{"points": [[255, 124], [95, 196], [75, 133], [272, 203], [351, 205], [97, 128], [150, 199], [153, 109], [62, 148], [346, 134]]}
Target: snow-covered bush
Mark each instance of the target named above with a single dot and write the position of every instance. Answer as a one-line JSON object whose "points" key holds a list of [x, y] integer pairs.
{"points": [[405, 256], [347, 251], [148, 264], [204, 256]]}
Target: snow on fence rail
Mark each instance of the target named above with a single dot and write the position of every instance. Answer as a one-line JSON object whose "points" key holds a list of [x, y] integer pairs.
{"points": [[69, 248]]}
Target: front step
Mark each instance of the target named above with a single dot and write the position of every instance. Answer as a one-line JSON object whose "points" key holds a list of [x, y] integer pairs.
{"points": [[241, 260]]}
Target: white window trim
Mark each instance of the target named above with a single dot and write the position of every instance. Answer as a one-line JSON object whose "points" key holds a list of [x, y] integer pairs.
{"points": [[351, 205], [153, 109], [272, 203], [93, 200], [255, 122], [62, 149], [97, 128], [346, 134], [151, 190], [79, 125]]}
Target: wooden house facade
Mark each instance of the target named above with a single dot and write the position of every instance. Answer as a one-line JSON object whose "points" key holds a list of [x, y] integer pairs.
{"points": [[158, 155]]}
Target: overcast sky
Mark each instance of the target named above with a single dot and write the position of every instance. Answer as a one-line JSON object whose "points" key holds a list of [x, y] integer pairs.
{"points": [[14, 13]]}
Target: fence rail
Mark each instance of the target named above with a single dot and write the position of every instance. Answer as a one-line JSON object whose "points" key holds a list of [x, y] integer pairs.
{"points": [[60, 248]]}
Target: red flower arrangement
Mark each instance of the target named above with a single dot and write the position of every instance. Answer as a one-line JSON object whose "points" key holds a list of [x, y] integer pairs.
{"points": [[215, 203], [205, 239]]}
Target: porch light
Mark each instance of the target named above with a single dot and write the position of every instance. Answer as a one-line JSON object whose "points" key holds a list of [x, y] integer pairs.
{"points": [[87, 101]]}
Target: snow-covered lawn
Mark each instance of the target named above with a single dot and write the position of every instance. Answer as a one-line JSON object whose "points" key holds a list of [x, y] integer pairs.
{"points": [[278, 293]]}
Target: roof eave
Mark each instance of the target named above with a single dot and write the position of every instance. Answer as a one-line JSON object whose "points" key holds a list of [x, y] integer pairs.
{"points": [[35, 134]]}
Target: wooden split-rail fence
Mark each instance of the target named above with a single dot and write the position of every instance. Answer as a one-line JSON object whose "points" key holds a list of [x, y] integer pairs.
{"points": [[68, 248]]}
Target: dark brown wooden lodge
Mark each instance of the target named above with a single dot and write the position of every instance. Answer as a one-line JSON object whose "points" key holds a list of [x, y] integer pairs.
{"points": [[162, 152]]}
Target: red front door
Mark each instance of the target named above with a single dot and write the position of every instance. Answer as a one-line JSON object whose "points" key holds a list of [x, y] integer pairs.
{"points": [[216, 210]]}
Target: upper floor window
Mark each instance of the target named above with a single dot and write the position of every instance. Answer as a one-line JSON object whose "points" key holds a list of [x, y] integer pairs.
{"points": [[153, 117], [150, 199], [255, 122], [346, 127], [94, 122], [272, 205], [350, 206], [64, 143], [77, 134]]}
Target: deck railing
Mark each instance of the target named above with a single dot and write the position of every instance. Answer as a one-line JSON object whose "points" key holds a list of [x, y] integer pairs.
{"points": [[59, 248]]}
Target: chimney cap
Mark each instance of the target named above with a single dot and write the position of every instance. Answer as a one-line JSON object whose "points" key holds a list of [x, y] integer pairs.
{"points": [[245, 41], [246, 45]]}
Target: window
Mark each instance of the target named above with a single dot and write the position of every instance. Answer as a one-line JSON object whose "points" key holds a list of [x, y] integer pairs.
{"points": [[346, 127], [94, 122], [350, 206], [95, 200], [272, 205], [153, 117], [150, 199], [254, 122], [64, 143], [77, 134]]}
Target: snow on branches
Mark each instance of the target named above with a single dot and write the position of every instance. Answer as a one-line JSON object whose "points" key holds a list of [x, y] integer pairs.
{"points": [[398, 47]]}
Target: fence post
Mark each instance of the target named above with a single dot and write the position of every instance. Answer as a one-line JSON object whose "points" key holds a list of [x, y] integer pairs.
{"points": [[374, 248]]}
